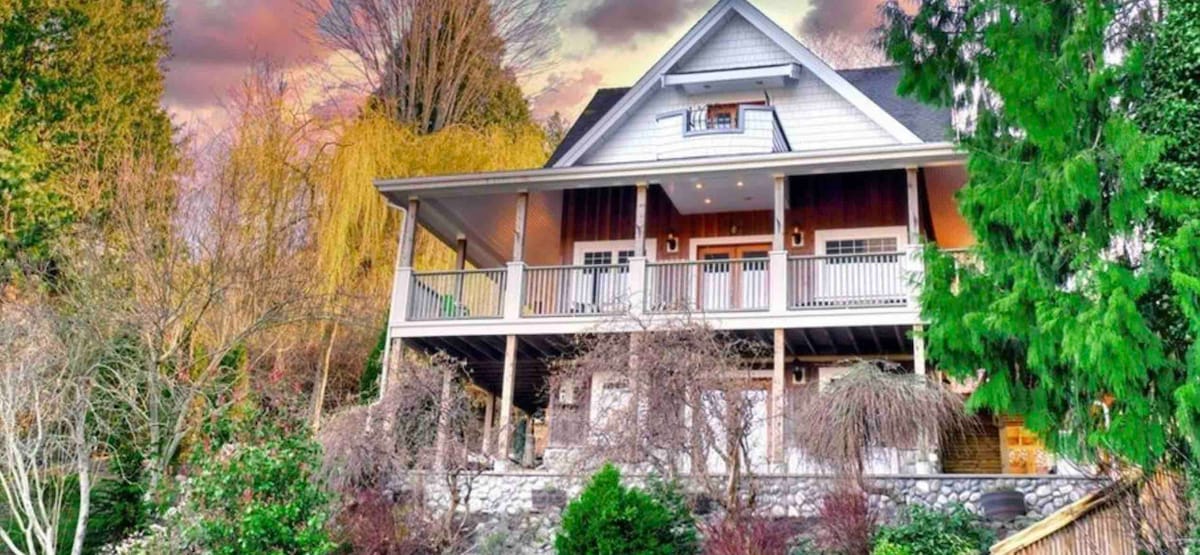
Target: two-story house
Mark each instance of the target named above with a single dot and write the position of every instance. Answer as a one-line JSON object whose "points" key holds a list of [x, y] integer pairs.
{"points": [[741, 178]]}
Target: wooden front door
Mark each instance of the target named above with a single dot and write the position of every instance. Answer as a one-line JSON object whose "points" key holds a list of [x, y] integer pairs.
{"points": [[733, 277]]}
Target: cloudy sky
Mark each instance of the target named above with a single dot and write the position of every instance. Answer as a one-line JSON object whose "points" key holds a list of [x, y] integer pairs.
{"points": [[603, 43]]}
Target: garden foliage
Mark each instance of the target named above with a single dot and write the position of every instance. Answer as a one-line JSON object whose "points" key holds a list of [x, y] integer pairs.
{"points": [[611, 518]]}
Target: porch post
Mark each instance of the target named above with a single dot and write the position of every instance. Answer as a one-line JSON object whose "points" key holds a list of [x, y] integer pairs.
{"points": [[527, 455], [637, 263], [515, 278], [489, 414], [919, 350], [780, 212], [914, 208], [775, 433], [409, 234], [401, 284], [504, 440], [443, 421], [460, 252], [777, 262]]}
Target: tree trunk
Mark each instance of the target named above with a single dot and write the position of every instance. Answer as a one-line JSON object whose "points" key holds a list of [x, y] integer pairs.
{"points": [[83, 459], [322, 378]]}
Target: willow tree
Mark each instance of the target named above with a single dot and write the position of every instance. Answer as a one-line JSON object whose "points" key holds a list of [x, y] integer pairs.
{"points": [[356, 230], [1072, 306]]}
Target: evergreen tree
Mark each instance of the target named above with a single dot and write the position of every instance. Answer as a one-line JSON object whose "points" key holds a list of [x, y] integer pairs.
{"points": [[80, 86], [1074, 308]]}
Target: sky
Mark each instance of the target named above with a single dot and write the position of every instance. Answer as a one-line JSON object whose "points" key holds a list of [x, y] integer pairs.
{"points": [[602, 43]]}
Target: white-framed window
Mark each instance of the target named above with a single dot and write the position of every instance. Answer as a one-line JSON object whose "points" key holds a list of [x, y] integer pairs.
{"points": [[603, 281]]}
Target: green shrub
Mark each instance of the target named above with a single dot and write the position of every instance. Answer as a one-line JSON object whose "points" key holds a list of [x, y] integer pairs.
{"points": [[260, 497], [612, 519], [931, 532]]}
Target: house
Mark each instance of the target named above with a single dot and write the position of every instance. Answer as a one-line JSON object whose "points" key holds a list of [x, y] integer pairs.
{"points": [[742, 178]]}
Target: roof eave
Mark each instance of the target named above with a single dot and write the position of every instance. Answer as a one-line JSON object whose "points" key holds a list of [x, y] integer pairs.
{"points": [[789, 163]]}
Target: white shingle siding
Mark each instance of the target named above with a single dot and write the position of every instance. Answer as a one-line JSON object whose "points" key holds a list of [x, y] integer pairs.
{"points": [[813, 116], [736, 44]]}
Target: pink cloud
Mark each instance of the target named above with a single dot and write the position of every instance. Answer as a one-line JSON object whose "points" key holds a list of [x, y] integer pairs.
{"points": [[841, 16], [214, 43], [617, 21], [565, 94]]}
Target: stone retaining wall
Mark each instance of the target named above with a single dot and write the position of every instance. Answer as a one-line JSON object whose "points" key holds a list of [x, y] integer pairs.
{"points": [[520, 510]]}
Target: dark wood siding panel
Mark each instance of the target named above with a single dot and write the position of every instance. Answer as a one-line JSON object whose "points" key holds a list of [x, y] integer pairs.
{"points": [[846, 200], [865, 199]]}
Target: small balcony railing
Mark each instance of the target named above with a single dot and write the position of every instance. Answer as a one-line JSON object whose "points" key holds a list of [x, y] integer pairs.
{"points": [[708, 286], [848, 280], [457, 295], [575, 290]]}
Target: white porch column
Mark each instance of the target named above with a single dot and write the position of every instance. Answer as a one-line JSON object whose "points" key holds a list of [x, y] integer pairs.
{"points": [[637, 262], [914, 208], [775, 433], [919, 350], [504, 440], [515, 280], [401, 285], [777, 259], [408, 234]]}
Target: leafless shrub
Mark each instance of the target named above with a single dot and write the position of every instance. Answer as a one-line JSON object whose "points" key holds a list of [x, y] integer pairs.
{"points": [[422, 431], [44, 409], [675, 400], [845, 522], [876, 404]]}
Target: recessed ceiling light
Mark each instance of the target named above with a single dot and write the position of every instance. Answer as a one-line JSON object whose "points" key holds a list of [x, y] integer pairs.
{"points": [[707, 201], [740, 183], [699, 185]]}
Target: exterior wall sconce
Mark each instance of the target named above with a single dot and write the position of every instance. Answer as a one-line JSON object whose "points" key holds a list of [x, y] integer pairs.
{"points": [[733, 229], [672, 242], [797, 237]]}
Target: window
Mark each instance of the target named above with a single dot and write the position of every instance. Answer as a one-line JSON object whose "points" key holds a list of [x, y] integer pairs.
{"points": [[872, 245], [597, 258]]}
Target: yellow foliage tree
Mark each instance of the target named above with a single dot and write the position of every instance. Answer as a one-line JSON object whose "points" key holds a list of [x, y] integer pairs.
{"points": [[356, 230]]}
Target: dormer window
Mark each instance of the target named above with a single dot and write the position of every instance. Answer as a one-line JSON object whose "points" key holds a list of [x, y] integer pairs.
{"points": [[706, 117]]}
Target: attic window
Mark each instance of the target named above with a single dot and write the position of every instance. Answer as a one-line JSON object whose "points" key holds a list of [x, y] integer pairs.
{"points": [[717, 116]]}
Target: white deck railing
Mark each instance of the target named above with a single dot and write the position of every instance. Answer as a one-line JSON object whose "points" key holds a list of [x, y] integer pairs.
{"points": [[708, 286], [738, 285], [849, 280], [457, 295], [575, 290]]}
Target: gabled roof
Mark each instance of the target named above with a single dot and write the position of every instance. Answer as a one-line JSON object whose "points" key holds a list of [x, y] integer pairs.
{"points": [[930, 124], [693, 39], [600, 104]]}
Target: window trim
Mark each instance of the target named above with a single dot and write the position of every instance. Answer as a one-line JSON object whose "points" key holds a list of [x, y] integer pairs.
{"points": [[614, 247], [899, 232]]}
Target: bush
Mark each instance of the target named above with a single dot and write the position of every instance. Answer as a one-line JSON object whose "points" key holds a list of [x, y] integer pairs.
{"points": [[259, 498], [610, 518], [932, 532], [845, 522], [747, 536]]}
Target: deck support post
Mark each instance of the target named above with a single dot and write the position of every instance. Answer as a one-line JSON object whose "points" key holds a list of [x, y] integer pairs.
{"points": [[527, 454], [919, 350], [775, 431], [443, 421], [504, 441], [489, 415]]}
